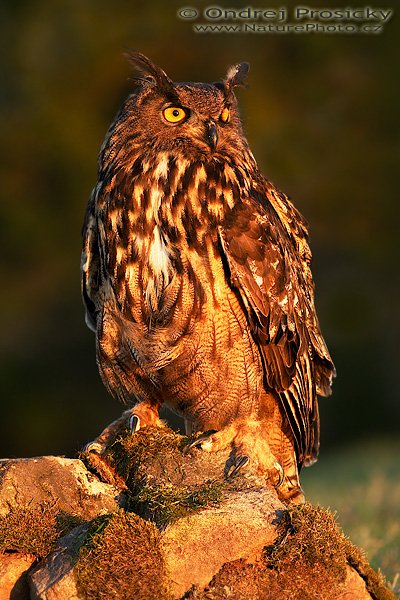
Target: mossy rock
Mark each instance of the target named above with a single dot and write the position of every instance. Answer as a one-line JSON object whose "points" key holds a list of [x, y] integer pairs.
{"points": [[182, 516], [153, 454], [121, 558], [34, 529], [310, 559], [164, 482]]}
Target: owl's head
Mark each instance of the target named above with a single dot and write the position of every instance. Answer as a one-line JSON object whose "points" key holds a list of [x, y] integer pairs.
{"points": [[195, 119]]}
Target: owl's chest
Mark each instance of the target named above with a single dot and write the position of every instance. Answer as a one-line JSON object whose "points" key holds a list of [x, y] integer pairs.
{"points": [[162, 238], [169, 286], [156, 269]]}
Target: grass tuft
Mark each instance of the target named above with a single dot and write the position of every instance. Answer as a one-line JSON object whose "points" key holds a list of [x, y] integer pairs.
{"points": [[313, 539], [121, 558], [34, 529]]}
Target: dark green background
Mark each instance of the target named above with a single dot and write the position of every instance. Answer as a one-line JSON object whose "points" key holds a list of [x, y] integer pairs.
{"points": [[321, 115]]}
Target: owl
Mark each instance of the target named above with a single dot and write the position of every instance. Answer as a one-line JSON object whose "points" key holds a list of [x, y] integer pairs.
{"points": [[197, 284]]}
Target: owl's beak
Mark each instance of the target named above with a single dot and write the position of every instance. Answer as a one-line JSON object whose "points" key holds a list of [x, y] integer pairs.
{"points": [[212, 135]]}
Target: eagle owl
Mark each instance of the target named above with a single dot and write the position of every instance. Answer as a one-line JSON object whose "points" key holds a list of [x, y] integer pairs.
{"points": [[196, 281]]}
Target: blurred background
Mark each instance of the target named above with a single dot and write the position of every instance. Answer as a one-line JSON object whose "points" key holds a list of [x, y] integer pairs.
{"points": [[321, 115]]}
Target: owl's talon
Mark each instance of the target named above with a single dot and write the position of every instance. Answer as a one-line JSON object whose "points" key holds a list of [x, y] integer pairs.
{"points": [[234, 465], [281, 475], [94, 447], [198, 442], [134, 424]]}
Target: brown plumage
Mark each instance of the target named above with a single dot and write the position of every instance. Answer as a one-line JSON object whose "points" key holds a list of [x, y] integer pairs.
{"points": [[196, 280]]}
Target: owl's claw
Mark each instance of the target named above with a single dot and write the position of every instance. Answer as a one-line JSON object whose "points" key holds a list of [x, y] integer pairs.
{"points": [[281, 474], [198, 442], [94, 446], [247, 446], [136, 418], [234, 465], [134, 424]]}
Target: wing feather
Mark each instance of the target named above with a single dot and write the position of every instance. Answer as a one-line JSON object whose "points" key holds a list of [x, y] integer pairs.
{"points": [[264, 241], [90, 266]]}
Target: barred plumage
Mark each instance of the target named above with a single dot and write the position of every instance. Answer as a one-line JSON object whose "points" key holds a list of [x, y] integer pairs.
{"points": [[196, 279]]}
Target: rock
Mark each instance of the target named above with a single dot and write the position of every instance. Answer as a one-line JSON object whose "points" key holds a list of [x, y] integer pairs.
{"points": [[212, 554], [194, 548], [197, 546], [66, 481], [47, 484], [209, 538], [53, 578], [13, 581], [354, 587]]}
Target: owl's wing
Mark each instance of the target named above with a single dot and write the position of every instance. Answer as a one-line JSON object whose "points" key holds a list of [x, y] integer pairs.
{"points": [[90, 265], [264, 241]]}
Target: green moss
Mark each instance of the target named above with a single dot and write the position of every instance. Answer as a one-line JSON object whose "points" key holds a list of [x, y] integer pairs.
{"points": [[165, 503], [163, 483], [311, 540], [34, 529], [120, 464], [308, 534], [121, 558], [128, 451]]}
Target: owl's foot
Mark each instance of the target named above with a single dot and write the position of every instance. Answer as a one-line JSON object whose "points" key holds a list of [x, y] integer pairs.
{"points": [[249, 446], [139, 416], [143, 415]]}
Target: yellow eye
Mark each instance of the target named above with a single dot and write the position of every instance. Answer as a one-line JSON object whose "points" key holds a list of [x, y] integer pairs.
{"points": [[174, 114], [225, 115]]}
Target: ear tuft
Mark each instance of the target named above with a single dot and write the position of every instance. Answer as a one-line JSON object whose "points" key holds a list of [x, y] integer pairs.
{"points": [[236, 76], [151, 72]]}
